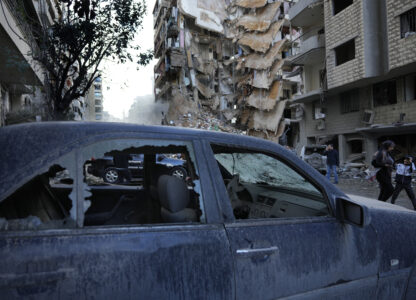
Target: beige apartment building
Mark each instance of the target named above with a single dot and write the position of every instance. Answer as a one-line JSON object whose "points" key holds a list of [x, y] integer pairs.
{"points": [[358, 64]]}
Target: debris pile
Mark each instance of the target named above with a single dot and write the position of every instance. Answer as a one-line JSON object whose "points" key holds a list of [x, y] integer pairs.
{"points": [[205, 120]]}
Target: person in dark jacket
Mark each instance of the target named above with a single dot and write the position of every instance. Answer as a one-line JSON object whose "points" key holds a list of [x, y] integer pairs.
{"points": [[332, 162], [385, 162], [404, 172]]}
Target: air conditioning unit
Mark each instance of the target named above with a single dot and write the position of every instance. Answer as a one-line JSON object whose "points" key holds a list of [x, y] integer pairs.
{"points": [[368, 117], [319, 114], [321, 125]]}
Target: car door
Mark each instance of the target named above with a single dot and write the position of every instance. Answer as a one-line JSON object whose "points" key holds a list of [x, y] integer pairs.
{"points": [[112, 257], [284, 237]]}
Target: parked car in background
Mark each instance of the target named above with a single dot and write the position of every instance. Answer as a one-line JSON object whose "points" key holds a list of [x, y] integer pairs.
{"points": [[253, 221], [106, 169], [314, 156]]}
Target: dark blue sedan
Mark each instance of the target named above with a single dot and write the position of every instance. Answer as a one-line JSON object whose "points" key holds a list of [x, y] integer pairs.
{"points": [[252, 222], [107, 168]]}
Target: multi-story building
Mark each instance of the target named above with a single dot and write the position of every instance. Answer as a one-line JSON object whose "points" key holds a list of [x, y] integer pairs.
{"points": [[95, 101], [20, 75], [225, 58], [358, 67]]}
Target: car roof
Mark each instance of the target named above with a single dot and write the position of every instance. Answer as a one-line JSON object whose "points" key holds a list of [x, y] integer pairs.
{"points": [[28, 148]]}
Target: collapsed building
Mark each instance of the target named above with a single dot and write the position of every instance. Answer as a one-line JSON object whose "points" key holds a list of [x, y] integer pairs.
{"points": [[227, 58]]}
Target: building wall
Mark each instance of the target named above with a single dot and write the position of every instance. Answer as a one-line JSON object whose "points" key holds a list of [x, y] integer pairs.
{"points": [[335, 122], [341, 28], [311, 75], [389, 114], [401, 50]]}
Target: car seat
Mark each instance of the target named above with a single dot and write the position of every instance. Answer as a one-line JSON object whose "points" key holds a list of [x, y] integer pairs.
{"points": [[174, 198]]}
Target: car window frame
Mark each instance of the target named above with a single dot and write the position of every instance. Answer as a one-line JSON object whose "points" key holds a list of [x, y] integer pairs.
{"points": [[222, 192], [211, 212]]}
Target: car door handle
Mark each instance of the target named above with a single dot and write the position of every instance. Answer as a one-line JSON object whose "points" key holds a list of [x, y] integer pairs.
{"points": [[17, 280], [257, 251]]}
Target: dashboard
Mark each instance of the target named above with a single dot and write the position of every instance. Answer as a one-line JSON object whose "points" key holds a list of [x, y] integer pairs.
{"points": [[269, 202]]}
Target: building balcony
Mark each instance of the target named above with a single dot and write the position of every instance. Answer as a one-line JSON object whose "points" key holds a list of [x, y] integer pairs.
{"points": [[306, 13], [307, 97], [18, 65], [161, 6], [310, 51]]}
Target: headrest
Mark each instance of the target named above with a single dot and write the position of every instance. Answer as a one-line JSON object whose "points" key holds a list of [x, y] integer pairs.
{"points": [[173, 193]]}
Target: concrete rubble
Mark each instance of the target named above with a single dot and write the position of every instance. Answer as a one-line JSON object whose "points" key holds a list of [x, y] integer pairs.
{"points": [[222, 65]]}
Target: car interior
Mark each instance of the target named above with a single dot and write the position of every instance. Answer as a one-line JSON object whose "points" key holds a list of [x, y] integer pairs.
{"points": [[45, 203], [41, 203], [260, 186], [161, 198]]}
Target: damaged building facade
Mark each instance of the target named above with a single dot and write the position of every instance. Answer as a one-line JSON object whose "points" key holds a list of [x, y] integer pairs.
{"points": [[228, 58], [358, 68]]}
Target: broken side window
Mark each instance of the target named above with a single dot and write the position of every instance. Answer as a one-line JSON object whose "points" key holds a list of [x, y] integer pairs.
{"points": [[44, 202], [340, 5], [345, 52], [350, 101], [385, 93], [262, 186], [129, 182], [408, 23]]}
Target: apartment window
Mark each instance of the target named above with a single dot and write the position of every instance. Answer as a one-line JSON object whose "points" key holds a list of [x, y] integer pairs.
{"points": [[286, 94], [98, 102], [410, 87], [318, 112], [98, 109], [340, 5], [345, 52], [408, 23], [385, 93], [350, 102]]}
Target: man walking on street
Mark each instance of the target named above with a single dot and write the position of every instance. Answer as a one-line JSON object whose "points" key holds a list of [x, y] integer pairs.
{"points": [[332, 162]]}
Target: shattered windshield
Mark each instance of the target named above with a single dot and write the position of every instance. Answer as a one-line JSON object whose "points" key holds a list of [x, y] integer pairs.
{"points": [[261, 169]]}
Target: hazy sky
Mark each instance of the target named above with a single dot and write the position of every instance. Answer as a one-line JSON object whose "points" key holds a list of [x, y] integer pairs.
{"points": [[122, 83]]}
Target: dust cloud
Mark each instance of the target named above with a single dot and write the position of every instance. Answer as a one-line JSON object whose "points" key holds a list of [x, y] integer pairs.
{"points": [[146, 111]]}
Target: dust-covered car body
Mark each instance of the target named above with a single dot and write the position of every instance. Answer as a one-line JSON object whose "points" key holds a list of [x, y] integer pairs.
{"points": [[253, 222], [314, 156]]}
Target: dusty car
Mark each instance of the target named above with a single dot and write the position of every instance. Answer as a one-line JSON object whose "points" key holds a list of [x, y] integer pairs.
{"points": [[253, 222], [105, 167], [314, 156]]}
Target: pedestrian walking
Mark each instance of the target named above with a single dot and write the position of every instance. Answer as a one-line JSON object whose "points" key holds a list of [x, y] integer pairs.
{"points": [[404, 172], [385, 162], [332, 162]]}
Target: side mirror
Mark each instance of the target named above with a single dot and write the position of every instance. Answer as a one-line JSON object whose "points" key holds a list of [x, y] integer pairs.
{"points": [[351, 212], [160, 158]]}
